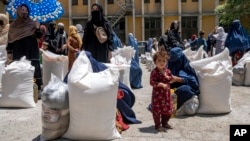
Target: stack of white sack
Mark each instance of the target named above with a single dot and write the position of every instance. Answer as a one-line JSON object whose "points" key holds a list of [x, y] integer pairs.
{"points": [[241, 71], [54, 64], [195, 55], [55, 109], [92, 102], [121, 60], [215, 78], [17, 85]]}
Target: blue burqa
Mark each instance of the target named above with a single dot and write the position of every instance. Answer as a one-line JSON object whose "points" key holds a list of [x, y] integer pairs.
{"points": [[116, 41], [126, 103], [237, 38], [149, 45], [179, 66], [135, 74]]}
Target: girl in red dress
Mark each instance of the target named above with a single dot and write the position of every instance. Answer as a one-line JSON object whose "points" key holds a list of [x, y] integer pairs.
{"points": [[162, 105]]}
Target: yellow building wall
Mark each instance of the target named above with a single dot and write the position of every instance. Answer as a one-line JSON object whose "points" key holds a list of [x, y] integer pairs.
{"points": [[138, 6], [65, 5], [152, 8], [171, 6], [207, 5], [113, 9], [189, 7], [208, 24], [168, 20], [138, 27]]}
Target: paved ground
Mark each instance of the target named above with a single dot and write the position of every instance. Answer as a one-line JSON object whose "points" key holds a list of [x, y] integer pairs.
{"points": [[25, 124]]}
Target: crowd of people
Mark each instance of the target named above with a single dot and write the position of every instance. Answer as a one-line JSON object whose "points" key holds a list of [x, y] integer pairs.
{"points": [[172, 69]]}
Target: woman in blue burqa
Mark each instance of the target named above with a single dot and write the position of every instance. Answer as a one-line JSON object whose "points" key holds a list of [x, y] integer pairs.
{"points": [[237, 41], [135, 69], [188, 84]]}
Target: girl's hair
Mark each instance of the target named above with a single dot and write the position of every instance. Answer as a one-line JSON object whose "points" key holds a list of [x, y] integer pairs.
{"points": [[74, 34], [161, 53]]}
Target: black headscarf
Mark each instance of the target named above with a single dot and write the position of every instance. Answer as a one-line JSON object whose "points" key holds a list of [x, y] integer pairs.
{"points": [[97, 16]]}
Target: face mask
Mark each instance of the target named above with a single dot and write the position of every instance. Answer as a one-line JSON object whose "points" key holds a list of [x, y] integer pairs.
{"points": [[61, 30], [96, 17]]}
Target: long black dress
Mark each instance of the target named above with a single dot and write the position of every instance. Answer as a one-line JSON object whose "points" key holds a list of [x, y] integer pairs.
{"points": [[100, 51], [28, 46]]}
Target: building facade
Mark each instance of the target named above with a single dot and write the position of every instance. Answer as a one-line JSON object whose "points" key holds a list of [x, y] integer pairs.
{"points": [[146, 18]]}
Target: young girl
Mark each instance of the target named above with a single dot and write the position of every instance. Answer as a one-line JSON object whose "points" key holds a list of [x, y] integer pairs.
{"points": [[162, 105]]}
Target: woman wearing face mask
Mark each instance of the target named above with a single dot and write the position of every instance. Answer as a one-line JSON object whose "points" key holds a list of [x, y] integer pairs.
{"points": [[22, 40], [100, 51], [61, 38]]}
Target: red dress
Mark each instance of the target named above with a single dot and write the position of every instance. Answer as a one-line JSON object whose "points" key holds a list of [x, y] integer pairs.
{"points": [[161, 98]]}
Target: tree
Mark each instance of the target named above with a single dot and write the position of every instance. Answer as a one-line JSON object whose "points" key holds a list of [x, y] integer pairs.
{"points": [[233, 9]]}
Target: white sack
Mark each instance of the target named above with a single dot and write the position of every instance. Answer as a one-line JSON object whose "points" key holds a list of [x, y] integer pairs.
{"points": [[124, 71], [239, 70], [247, 73], [17, 85], [3, 53], [54, 64], [92, 102], [195, 55], [2, 65], [215, 78]]}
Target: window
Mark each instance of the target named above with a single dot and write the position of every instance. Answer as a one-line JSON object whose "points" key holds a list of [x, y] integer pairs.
{"points": [[189, 26], [146, 1], [152, 27], [74, 2], [183, 0], [157, 1], [84, 2], [195, 0], [110, 1]]}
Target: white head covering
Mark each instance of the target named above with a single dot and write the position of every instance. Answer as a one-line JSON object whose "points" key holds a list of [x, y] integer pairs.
{"points": [[220, 34]]}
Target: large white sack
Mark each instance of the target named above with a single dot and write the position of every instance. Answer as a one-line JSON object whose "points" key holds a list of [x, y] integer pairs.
{"points": [[54, 64], [3, 53], [92, 102], [124, 70], [195, 55], [247, 73], [239, 70], [2, 65], [215, 78], [17, 85]]}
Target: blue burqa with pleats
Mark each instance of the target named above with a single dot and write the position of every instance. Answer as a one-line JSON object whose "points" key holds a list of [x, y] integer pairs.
{"points": [[135, 74], [179, 66], [237, 38]]}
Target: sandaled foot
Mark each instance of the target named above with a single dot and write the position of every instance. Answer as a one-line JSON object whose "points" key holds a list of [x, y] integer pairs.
{"points": [[168, 126], [160, 129]]}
